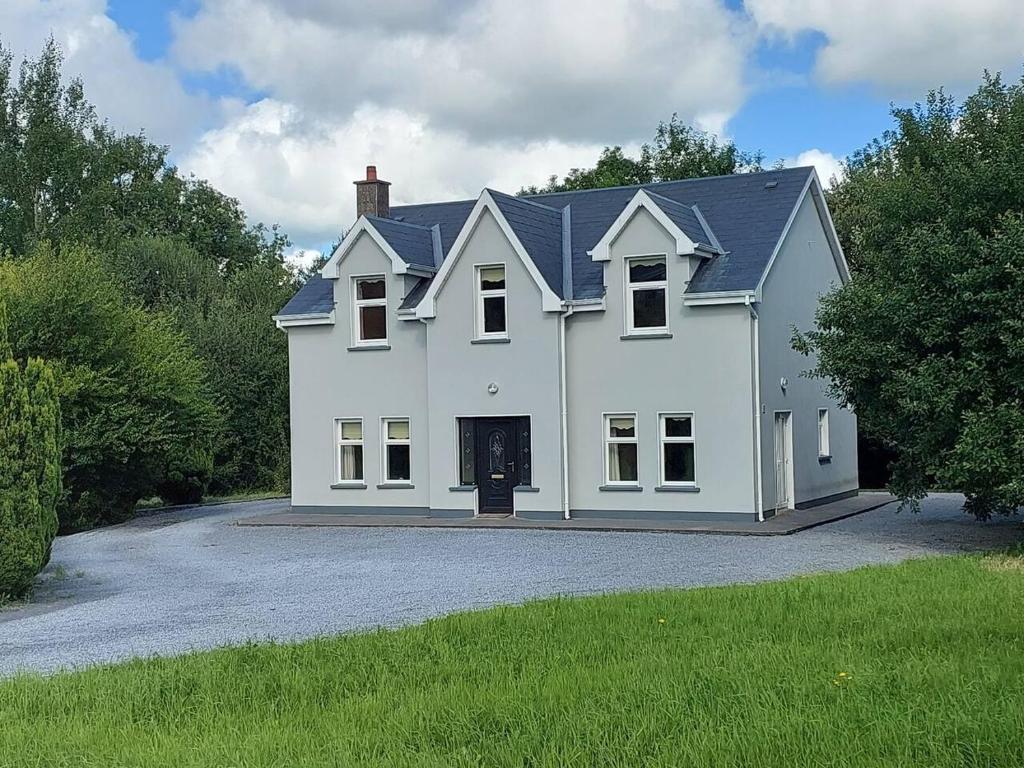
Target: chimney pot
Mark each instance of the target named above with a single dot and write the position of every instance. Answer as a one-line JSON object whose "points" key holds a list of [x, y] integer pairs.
{"points": [[372, 197]]}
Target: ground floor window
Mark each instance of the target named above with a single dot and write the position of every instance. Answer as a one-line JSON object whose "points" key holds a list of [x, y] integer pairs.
{"points": [[397, 450], [678, 465], [823, 447], [349, 441], [620, 449]]}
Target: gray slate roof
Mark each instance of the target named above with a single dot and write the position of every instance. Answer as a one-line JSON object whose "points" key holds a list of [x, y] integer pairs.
{"points": [[412, 242], [316, 297], [746, 213]]}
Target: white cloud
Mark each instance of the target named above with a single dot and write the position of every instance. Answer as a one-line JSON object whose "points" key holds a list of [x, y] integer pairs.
{"points": [[903, 46], [576, 70], [131, 93], [826, 164], [287, 167]]}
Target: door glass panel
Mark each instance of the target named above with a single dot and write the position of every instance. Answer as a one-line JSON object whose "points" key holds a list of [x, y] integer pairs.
{"points": [[373, 323], [494, 314], [679, 463], [622, 462], [496, 452], [649, 308], [398, 462]]}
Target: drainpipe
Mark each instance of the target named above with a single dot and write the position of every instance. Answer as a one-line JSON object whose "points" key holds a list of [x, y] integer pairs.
{"points": [[565, 412], [756, 383]]}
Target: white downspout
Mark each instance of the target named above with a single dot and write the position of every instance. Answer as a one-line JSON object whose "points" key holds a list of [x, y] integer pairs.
{"points": [[756, 380], [565, 412]]}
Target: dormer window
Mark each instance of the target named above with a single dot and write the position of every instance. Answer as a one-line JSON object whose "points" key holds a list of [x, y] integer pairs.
{"points": [[646, 295], [490, 302], [370, 311]]}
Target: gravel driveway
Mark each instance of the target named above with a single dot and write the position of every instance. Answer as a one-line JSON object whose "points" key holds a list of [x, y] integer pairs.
{"points": [[190, 579]]}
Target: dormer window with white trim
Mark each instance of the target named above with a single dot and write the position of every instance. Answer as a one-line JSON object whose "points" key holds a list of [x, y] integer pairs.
{"points": [[491, 302], [646, 295], [370, 311]]}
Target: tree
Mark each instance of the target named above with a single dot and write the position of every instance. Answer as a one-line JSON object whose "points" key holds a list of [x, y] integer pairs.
{"points": [[30, 477], [134, 398], [927, 340], [679, 151]]}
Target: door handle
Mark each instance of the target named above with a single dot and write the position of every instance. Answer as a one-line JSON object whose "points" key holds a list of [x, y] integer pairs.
{"points": [[511, 467]]}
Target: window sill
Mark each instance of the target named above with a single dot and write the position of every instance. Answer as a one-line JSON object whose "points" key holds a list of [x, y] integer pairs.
{"points": [[526, 489], [368, 347], [495, 340], [639, 336], [825, 459], [395, 485], [626, 488], [677, 489], [461, 488], [355, 484]]}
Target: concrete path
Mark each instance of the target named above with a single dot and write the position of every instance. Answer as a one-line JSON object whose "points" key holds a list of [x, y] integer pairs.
{"points": [[790, 522], [192, 579]]}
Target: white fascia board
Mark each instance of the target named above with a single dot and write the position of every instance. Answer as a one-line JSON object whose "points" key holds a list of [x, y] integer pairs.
{"points": [[586, 305], [295, 321], [399, 266], [428, 304], [717, 297], [602, 251]]}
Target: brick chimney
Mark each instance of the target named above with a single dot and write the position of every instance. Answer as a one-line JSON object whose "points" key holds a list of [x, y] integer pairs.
{"points": [[372, 195]]}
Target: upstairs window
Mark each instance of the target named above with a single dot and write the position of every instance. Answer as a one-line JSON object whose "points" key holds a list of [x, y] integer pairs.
{"points": [[824, 449], [349, 439], [646, 296], [677, 449], [371, 311], [490, 302], [620, 449], [397, 449]]}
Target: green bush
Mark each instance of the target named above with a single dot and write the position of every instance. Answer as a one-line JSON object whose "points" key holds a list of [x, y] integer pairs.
{"points": [[187, 476], [30, 477], [135, 405]]}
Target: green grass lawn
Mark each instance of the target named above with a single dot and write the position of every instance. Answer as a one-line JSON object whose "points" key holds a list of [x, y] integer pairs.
{"points": [[917, 664]]}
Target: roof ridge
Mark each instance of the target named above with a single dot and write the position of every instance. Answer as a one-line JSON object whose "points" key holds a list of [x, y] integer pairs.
{"points": [[675, 181], [388, 220], [516, 199]]}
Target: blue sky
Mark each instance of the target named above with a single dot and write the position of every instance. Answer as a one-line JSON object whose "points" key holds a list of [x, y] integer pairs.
{"points": [[282, 102]]}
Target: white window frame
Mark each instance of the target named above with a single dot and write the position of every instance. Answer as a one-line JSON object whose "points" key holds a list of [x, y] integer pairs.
{"points": [[481, 294], [606, 428], [664, 439], [629, 288], [824, 438], [385, 441], [339, 441], [357, 318]]}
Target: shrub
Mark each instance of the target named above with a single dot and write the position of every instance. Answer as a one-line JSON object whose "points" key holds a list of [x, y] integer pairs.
{"points": [[134, 399], [30, 477]]}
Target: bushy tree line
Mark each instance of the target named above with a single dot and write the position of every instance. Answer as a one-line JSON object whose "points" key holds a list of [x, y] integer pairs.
{"points": [[30, 468], [678, 151], [927, 340], [149, 294]]}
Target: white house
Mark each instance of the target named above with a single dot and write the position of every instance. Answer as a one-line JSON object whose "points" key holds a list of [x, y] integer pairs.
{"points": [[621, 353]]}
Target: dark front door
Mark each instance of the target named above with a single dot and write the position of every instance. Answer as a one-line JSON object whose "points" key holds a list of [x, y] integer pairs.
{"points": [[496, 453]]}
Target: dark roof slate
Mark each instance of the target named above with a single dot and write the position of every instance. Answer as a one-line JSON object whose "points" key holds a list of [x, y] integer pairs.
{"points": [[746, 213], [414, 243], [412, 298], [316, 297], [684, 217]]}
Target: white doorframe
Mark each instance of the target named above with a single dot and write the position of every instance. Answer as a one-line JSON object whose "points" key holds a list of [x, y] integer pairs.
{"points": [[784, 492]]}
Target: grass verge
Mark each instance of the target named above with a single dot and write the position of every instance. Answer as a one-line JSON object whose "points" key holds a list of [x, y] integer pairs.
{"points": [[916, 664]]}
